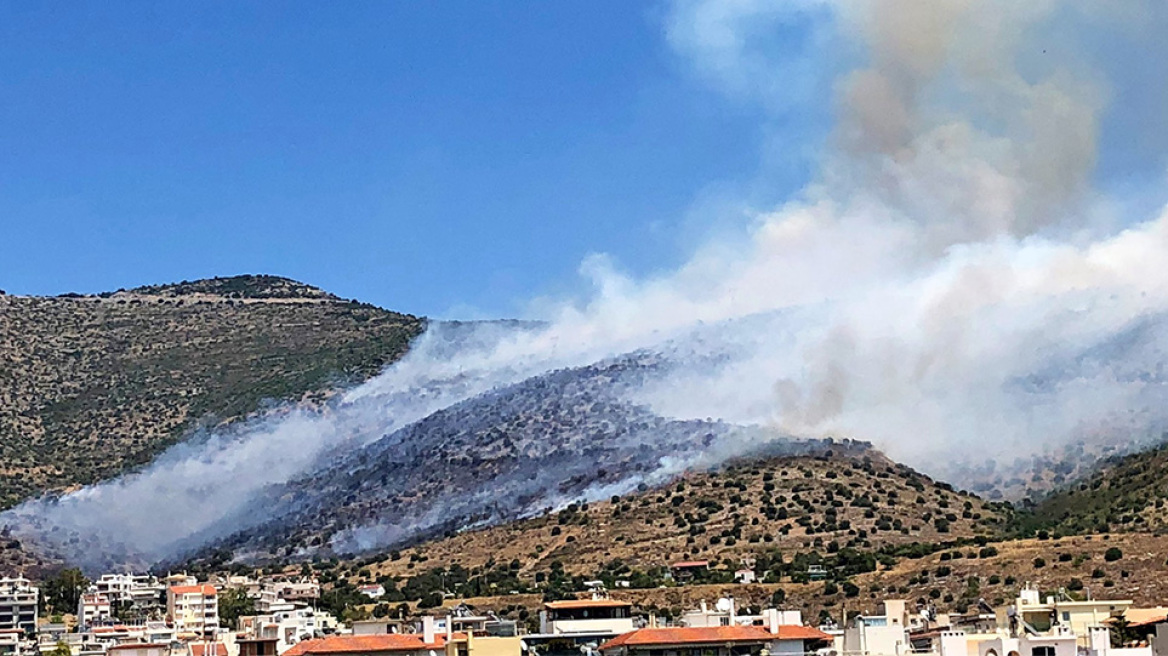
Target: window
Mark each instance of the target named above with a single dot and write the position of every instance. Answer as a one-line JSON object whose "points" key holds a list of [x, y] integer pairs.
{"points": [[725, 621], [1045, 650], [1066, 616]]}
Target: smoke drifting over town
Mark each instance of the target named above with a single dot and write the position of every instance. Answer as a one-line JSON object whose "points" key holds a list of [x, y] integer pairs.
{"points": [[952, 286]]}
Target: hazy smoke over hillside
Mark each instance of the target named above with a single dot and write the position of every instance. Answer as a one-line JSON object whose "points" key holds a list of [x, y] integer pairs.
{"points": [[951, 286]]}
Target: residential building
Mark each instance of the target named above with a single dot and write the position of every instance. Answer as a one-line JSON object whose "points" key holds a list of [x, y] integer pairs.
{"points": [[725, 613], [14, 642], [1032, 615], [303, 589], [287, 627], [18, 604], [132, 597], [1099, 644], [598, 617], [180, 579], [733, 640], [373, 591], [93, 609], [1060, 641], [375, 627], [885, 634], [257, 646], [687, 569], [158, 632], [140, 649], [387, 644], [574, 625], [193, 610], [201, 648], [428, 642], [127, 587]]}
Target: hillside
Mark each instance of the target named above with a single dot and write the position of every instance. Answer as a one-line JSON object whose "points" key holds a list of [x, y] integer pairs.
{"points": [[93, 385], [837, 503], [511, 450], [844, 493], [1124, 493]]}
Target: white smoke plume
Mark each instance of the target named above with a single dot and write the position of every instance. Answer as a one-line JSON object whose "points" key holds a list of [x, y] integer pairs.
{"points": [[952, 286]]}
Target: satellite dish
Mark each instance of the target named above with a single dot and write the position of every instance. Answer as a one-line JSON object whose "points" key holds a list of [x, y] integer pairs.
{"points": [[723, 605]]}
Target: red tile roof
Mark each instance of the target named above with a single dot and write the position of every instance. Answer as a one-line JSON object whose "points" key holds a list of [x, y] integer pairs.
{"points": [[799, 632], [1138, 617], [711, 634], [343, 644], [191, 589], [586, 603], [204, 649]]}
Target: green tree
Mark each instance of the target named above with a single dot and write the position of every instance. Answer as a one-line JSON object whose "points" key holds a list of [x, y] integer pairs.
{"points": [[61, 649], [778, 598], [233, 604], [63, 591], [432, 600], [1113, 554]]}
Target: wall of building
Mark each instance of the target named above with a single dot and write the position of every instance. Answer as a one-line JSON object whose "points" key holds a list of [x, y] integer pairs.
{"points": [[494, 646], [599, 625]]}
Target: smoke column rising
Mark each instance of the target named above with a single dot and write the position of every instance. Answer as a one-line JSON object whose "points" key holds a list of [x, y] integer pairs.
{"points": [[950, 286]]}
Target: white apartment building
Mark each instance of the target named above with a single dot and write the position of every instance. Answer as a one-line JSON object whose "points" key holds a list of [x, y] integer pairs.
{"points": [[143, 594], [193, 610], [93, 608], [885, 634], [18, 604], [599, 617], [303, 589], [13, 643], [287, 626], [125, 587], [725, 613]]}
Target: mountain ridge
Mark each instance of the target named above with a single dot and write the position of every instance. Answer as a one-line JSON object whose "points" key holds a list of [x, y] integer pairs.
{"points": [[93, 385]]}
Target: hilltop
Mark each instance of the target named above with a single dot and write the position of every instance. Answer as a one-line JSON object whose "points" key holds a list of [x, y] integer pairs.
{"points": [[91, 386]]}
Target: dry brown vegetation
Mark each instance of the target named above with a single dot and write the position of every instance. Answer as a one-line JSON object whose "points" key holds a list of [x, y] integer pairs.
{"points": [[999, 578], [806, 503], [92, 385]]}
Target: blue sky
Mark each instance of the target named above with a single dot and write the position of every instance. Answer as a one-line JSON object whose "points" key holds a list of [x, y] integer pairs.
{"points": [[437, 158], [449, 159]]}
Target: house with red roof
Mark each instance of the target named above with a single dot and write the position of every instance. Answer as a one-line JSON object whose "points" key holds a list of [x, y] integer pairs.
{"points": [[384, 644], [717, 641]]}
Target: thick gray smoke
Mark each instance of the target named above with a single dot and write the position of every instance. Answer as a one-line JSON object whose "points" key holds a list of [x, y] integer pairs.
{"points": [[951, 286]]}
